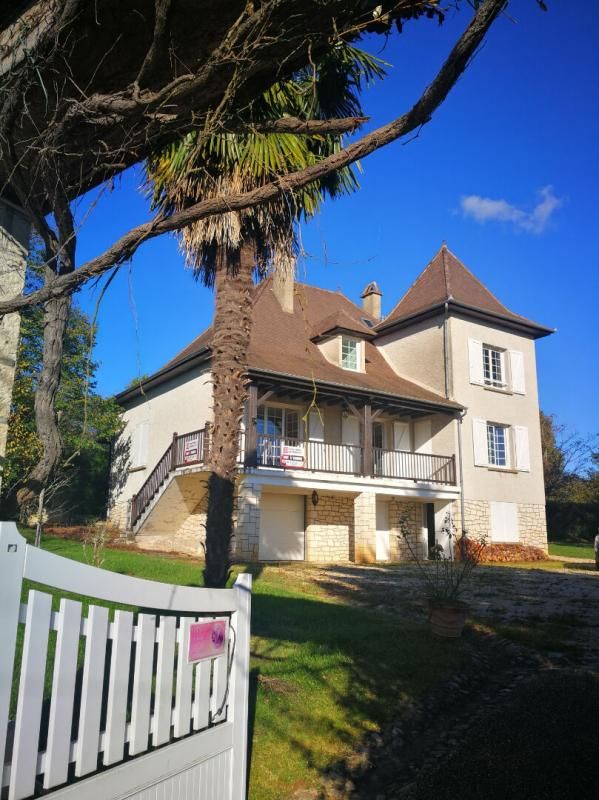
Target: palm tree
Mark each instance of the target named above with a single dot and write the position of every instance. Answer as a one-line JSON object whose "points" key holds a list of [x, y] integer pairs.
{"points": [[224, 252]]}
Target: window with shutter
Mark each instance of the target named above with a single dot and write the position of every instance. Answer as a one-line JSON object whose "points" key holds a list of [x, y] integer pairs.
{"points": [[522, 448], [479, 437], [517, 372], [401, 436], [475, 355]]}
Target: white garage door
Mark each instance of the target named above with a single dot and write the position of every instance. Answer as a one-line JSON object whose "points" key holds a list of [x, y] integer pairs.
{"points": [[281, 527]]}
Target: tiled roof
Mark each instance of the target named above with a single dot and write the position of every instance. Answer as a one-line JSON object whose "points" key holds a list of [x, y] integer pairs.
{"points": [[281, 343], [446, 279]]}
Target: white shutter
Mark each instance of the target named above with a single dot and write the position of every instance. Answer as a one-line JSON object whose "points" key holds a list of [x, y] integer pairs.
{"points": [[401, 435], [481, 446], [522, 448], [504, 522], [517, 372], [316, 427], [475, 354]]}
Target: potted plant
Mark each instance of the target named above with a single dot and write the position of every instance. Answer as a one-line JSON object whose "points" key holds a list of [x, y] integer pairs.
{"points": [[445, 577]]}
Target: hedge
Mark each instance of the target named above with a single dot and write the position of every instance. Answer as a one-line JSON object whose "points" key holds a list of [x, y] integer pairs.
{"points": [[572, 521]]}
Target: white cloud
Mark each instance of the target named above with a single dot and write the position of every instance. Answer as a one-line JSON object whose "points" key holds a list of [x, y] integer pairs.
{"points": [[484, 209]]}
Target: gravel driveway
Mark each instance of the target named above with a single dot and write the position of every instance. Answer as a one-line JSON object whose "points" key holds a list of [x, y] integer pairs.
{"points": [[560, 604]]}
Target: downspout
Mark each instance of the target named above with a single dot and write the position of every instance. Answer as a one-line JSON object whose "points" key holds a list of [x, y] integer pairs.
{"points": [[446, 351], [461, 472]]}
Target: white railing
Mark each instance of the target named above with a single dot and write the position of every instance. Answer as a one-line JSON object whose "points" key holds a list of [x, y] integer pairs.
{"points": [[109, 698]]}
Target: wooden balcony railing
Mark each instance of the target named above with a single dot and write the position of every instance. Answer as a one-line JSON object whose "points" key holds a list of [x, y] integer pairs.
{"points": [[285, 453]]}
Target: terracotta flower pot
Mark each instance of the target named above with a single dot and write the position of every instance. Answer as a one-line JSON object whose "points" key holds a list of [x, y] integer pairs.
{"points": [[448, 621]]}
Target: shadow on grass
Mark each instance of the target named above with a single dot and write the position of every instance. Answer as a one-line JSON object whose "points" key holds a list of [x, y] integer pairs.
{"points": [[325, 674], [542, 745]]}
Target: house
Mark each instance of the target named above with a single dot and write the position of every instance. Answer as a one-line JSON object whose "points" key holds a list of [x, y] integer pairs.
{"points": [[354, 424]]}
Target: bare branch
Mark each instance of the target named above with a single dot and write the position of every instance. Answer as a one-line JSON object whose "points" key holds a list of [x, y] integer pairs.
{"points": [[418, 115]]}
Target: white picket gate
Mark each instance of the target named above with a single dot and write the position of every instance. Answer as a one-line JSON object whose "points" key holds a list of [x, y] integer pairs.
{"points": [[134, 717]]}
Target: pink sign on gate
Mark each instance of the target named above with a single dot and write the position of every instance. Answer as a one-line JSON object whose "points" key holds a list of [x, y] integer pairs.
{"points": [[207, 640]]}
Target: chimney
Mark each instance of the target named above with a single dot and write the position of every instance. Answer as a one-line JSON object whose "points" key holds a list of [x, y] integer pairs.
{"points": [[283, 281], [371, 300]]}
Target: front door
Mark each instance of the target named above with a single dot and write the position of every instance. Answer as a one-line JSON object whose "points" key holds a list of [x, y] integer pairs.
{"points": [[383, 550]]}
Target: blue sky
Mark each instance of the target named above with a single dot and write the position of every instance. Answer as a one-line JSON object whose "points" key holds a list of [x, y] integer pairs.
{"points": [[506, 172]]}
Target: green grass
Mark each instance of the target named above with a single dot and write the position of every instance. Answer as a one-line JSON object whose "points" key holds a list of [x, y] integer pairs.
{"points": [[571, 550], [323, 673]]}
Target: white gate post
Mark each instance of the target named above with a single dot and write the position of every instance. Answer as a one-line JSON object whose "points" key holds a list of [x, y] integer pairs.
{"points": [[241, 682], [12, 560]]}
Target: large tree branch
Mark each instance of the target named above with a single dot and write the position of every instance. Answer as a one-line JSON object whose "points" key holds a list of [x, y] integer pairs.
{"points": [[418, 115], [102, 84], [310, 127]]}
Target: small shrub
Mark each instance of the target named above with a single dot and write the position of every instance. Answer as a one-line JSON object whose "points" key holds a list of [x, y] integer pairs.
{"points": [[501, 553], [95, 539]]}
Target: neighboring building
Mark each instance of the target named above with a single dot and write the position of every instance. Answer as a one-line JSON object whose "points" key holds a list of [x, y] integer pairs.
{"points": [[14, 241], [354, 426]]}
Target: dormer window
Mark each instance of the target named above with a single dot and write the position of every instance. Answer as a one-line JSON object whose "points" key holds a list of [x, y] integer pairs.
{"points": [[493, 367], [350, 353]]}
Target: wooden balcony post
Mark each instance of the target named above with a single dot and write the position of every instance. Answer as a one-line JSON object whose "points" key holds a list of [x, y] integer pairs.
{"points": [[367, 454], [174, 451], [251, 412]]}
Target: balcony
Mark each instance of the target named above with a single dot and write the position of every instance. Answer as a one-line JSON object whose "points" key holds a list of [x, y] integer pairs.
{"points": [[348, 459], [276, 452]]}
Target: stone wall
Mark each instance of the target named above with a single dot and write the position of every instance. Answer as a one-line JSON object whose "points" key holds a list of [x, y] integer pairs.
{"points": [[532, 520], [330, 528], [365, 527], [402, 513], [14, 235], [188, 538], [247, 522]]}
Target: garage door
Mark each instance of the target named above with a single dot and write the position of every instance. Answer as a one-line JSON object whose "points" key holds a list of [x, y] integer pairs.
{"points": [[281, 527]]}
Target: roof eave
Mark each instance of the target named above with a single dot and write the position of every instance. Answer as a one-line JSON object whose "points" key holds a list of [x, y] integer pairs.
{"points": [[522, 326], [340, 330], [163, 375], [415, 403]]}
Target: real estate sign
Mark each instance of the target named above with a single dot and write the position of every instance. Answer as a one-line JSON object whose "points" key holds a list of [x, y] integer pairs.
{"points": [[293, 456], [191, 451]]}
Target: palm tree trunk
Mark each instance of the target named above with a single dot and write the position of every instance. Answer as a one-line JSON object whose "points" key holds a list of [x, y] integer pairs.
{"points": [[231, 334]]}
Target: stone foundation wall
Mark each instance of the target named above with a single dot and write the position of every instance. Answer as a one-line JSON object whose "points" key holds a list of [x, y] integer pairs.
{"points": [[189, 537], [14, 235], [247, 523], [365, 527], [406, 514], [330, 529], [532, 520]]}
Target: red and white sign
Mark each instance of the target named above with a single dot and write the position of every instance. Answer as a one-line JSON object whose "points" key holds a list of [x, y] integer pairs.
{"points": [[292, 456], [207, 640], [191, 452]]}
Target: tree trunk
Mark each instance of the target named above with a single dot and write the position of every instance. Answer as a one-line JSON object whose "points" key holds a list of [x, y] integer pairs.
{"points": [[56, 314], [231, 334]]}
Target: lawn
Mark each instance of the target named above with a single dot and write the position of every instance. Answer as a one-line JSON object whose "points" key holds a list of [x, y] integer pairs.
{"points": [[324, 673], [571, 550]]}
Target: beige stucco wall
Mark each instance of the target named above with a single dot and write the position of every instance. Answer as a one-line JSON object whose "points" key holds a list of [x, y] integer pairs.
{"points": [[483, 483], [182, 404], [417, 353], [14, 235]]}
